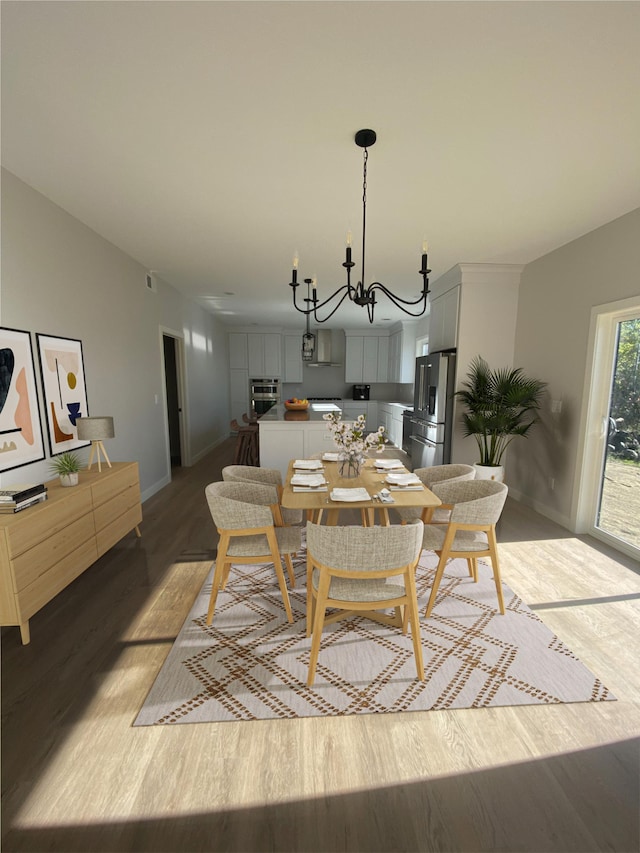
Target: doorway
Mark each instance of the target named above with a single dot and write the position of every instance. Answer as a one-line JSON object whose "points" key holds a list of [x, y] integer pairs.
{"points": [[609, 504], [173, 398], [618, 512]]}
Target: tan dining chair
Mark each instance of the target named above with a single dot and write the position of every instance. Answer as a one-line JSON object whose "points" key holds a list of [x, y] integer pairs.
{"points": [[269, 476], [476, 506], [451, 473], [243, 515], [360, 570]]}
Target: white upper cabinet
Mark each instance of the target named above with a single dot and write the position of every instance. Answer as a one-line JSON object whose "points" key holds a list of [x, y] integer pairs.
{"points": [[402, 354], [292, 358], [443, 320], [367, 358], [238, 351], [263, 352], [354, 358]]}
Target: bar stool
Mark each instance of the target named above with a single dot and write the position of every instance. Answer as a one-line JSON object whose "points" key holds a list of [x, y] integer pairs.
{"points": [[246, 450]]}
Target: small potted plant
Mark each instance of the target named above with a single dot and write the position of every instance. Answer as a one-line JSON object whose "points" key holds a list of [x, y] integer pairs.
{"points": [[500, 404], [66, 465]]}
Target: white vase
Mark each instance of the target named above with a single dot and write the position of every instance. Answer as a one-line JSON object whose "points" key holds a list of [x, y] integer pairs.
{"points": [[69, 479], [489, 472]]}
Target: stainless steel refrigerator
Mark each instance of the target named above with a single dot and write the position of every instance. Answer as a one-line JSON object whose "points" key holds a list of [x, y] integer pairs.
{"points": [[432, 419]]}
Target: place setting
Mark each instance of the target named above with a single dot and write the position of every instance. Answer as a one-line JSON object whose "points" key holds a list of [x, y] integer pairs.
{"points": [[308, 483]]}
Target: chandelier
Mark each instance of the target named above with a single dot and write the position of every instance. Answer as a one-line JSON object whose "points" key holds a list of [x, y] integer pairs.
{"points": [[360, 295]]}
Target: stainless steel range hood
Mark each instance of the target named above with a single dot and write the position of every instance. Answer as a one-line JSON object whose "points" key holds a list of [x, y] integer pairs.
{"points": [[322, 355]]}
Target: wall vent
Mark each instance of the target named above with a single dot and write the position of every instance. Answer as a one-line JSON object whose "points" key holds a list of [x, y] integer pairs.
{"points": [[151, 282]]}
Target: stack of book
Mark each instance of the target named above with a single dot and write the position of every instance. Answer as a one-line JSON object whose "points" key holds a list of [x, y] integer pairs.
{"points": [[15, 498]]}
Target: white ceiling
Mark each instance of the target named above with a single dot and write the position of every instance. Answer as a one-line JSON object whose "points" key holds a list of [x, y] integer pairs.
{"points": [[208, 140]]}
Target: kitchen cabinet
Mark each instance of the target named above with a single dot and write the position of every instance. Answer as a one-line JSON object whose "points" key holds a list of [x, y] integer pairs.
{"points": [[390, 417], [45, 547], [292, 358], [263, 354], [367, 358], [402, 354], [238, 351], [239, 393], [443, 320], [280, 442], [352, 410]]}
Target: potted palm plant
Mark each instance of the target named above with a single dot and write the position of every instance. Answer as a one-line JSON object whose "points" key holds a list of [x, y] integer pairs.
{"points": [[499, 405], [67, 466]]}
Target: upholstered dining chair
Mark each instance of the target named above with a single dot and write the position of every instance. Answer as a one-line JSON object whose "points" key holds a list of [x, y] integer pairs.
{"points": [[452, 473], [243, 514], [476, 506], [269, 476], [363, 570]]}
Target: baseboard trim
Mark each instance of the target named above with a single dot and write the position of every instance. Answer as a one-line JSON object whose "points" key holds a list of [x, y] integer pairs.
{"points": [[542, 509]]}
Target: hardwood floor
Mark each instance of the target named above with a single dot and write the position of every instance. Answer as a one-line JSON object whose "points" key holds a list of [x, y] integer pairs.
{"points": [[77, 777]]}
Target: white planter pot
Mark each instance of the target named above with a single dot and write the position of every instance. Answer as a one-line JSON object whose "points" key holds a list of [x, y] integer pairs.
{"points": [[489, 472], [69, 479]]}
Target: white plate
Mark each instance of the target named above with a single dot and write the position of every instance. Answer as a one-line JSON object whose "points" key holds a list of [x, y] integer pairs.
{"points": [[350, 495], [403, 479], [311, 480], [308, 464], [386, 464], [330, 457]]}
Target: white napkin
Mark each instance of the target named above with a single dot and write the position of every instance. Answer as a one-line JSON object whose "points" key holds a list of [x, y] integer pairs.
{"points": [[403, 479], [308, 464], [350, 495], [410, 488], [310, 488], [310, 480], [387, 464], [330, 457]]}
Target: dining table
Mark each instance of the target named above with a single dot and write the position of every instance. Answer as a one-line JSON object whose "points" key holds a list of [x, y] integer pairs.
{"points": [[326, 500]]}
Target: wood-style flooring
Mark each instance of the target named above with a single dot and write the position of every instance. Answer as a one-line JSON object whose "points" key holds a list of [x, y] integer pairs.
{"points": [[76, 776]]}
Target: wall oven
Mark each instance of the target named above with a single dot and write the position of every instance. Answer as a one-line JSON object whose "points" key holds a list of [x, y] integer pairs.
{"points": [[264, 394]]}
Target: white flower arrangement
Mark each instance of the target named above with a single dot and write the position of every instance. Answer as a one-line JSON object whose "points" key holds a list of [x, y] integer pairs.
{"points": [[351, 438]]}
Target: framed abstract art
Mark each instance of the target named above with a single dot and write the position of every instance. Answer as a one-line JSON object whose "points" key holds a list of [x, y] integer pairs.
{"points": [[20, 428], [65, 393]]}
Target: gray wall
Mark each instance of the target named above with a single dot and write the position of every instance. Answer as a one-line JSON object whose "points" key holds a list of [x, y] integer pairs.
{"points": [[61, 278], [557, 293]]}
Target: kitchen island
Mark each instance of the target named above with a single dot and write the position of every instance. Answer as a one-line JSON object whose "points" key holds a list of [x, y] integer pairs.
{"points": [[293, 435], [298, 435]]}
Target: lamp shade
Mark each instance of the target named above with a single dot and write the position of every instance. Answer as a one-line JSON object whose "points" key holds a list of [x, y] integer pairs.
{"points": [[95, 429]]}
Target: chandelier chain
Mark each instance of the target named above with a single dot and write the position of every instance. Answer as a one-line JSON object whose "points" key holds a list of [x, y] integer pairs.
{"points": [[364, 212]]}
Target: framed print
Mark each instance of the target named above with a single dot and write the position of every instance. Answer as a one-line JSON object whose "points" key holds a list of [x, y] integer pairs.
{"points": [[20, 428], [65, 393]]}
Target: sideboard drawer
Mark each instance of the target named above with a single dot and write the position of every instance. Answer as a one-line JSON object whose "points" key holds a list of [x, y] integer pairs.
{"points": [[37, 560], [117, 506], [117, 481], [37, 523], [48, 585], [112, 533]]}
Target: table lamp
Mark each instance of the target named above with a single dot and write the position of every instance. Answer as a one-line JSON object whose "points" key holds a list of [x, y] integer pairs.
{"points": [[96, 430]]}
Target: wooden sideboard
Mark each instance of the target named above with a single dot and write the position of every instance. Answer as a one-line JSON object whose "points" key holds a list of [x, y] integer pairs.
{"points": [[45, 547]]}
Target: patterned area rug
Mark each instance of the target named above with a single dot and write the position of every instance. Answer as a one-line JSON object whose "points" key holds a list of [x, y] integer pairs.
{"points": [[252, 664]]}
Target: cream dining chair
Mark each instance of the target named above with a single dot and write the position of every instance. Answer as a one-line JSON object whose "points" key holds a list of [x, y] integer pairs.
{"points": [[451, 473], [243, 514], [269, 476], [476, 506], [363, 570]]}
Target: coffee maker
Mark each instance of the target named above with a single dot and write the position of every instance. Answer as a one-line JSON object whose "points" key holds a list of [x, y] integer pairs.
{"points": [[361, 392]]}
